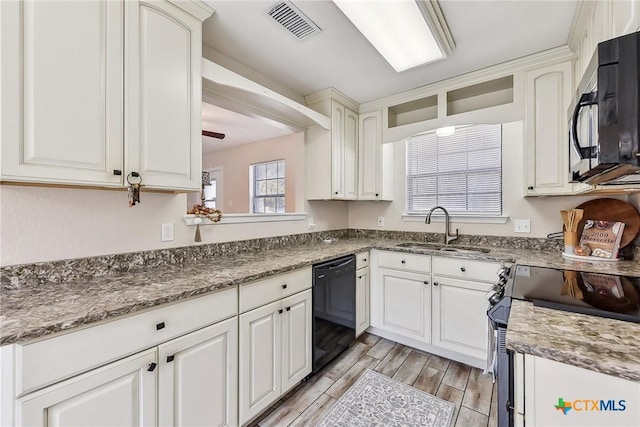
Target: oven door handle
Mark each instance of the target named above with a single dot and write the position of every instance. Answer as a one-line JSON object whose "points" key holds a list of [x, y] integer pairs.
{"points": [[590, 98]]}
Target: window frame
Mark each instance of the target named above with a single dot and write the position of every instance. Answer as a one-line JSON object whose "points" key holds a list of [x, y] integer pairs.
{"points": [[254, 183]]}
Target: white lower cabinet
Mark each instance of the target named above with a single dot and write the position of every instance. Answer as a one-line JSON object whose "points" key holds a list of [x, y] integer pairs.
{"points": [[434, 303], [403, 303], [171, 366], [275, 351], [122, 393], [198, 377], [459, 316], [543, 387], [362, 300]]}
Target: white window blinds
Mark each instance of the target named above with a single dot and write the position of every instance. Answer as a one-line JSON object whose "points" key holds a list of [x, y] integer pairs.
{"points": [[461, 172]]}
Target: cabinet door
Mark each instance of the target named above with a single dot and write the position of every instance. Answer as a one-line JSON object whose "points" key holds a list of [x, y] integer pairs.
{"points": [[546, 124], [404, 301], [198, 377], [362, 300], [625, 17], [370, 141], [163, 95], [122, 393], [62, 116], [337, 150], [549, 384], [350, 150], [460, 316], [296, 339], [260, 359]]}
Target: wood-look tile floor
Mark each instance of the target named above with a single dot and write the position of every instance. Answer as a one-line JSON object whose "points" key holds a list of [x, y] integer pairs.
{"points": [[473, 393]]}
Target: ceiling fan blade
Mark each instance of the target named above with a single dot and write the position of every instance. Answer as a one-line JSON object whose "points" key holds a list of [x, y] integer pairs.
{"points": [[213, 134]]}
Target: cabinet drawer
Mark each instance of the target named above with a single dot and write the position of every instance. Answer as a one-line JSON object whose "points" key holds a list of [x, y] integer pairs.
{"points": [[256, 294], [44, 362], [362, 260], [468, 269], [404, 261]]}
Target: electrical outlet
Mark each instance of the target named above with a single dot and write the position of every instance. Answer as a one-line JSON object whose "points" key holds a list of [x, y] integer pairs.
{"points": [[522, 225], [380, 221], [167, 232], [311, 223]]}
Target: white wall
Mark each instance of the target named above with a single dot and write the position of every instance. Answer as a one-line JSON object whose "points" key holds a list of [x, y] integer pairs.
{"points": [[45, 224], [544, 212]]}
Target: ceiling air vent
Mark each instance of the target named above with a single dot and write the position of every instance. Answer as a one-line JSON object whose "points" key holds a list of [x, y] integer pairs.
{"points": [[293, 20]]}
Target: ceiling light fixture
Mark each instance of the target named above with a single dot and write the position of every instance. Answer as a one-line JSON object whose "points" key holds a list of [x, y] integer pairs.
{"points": [[407, 33], [445, 131]]}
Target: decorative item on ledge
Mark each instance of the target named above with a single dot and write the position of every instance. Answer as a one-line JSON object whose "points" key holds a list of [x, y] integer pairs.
{"points": [[212, 214]]}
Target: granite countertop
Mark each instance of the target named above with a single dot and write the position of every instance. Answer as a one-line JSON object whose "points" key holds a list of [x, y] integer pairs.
{"points": [[603, 345], [36, 311]]}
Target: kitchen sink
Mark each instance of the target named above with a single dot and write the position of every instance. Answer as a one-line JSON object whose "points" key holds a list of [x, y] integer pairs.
{"points": [[443, 248]]}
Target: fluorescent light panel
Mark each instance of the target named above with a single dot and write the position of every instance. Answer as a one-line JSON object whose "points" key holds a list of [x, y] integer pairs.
{"points": [[396, 28]]}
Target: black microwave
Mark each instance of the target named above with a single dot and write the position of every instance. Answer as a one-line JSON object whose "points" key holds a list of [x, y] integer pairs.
{"points": [[603, 119]]}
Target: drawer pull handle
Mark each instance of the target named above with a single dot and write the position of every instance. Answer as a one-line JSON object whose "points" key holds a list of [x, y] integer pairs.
{"points": [[435, 283], [280, 311], [284, 286], [170, 358], [159, 326], [403, 261], [152, 367], [463, 269], [289, 308]]}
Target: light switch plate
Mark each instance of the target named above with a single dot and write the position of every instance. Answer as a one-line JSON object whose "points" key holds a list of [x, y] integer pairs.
{"points": [[522, 225]]}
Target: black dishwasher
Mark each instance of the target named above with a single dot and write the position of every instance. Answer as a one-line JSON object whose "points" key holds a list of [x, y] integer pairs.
{"points": [[334, 309]]}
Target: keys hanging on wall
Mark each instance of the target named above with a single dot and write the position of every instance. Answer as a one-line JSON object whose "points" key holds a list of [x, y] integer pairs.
{"points": [[133, 191]]}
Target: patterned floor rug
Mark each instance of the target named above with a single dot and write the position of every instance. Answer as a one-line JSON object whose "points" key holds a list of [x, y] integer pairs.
{"points": [[377, 400]]}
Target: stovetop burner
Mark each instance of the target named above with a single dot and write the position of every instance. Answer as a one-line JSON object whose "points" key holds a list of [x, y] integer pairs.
{"points": [[604, 295]]}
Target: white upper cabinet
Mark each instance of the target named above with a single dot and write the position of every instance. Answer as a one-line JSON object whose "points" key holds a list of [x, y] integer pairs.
{"points": [[61, 90], [625, 17], [332, 156], [375, 160], [92, 91], [163, 95], [548, 94]]}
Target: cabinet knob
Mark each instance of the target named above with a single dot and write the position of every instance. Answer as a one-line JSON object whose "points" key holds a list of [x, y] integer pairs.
{"points": [[530, 188], [364, 259], [117, 172], [463, 269], [403, 261], [159, 326], [280, 311], [336, 192], [289, 308], [152, 367], [170, 358], [426, 282], [284, 286], [377, 194], [359, 277], [435, 283]]}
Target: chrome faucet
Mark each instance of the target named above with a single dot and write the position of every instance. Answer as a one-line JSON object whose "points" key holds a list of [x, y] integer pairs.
{"points": [[447, 237]]}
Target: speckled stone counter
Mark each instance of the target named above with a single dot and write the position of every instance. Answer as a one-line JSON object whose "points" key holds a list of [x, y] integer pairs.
{"points": [[34, 311], [38, 308], [603, 345]]}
